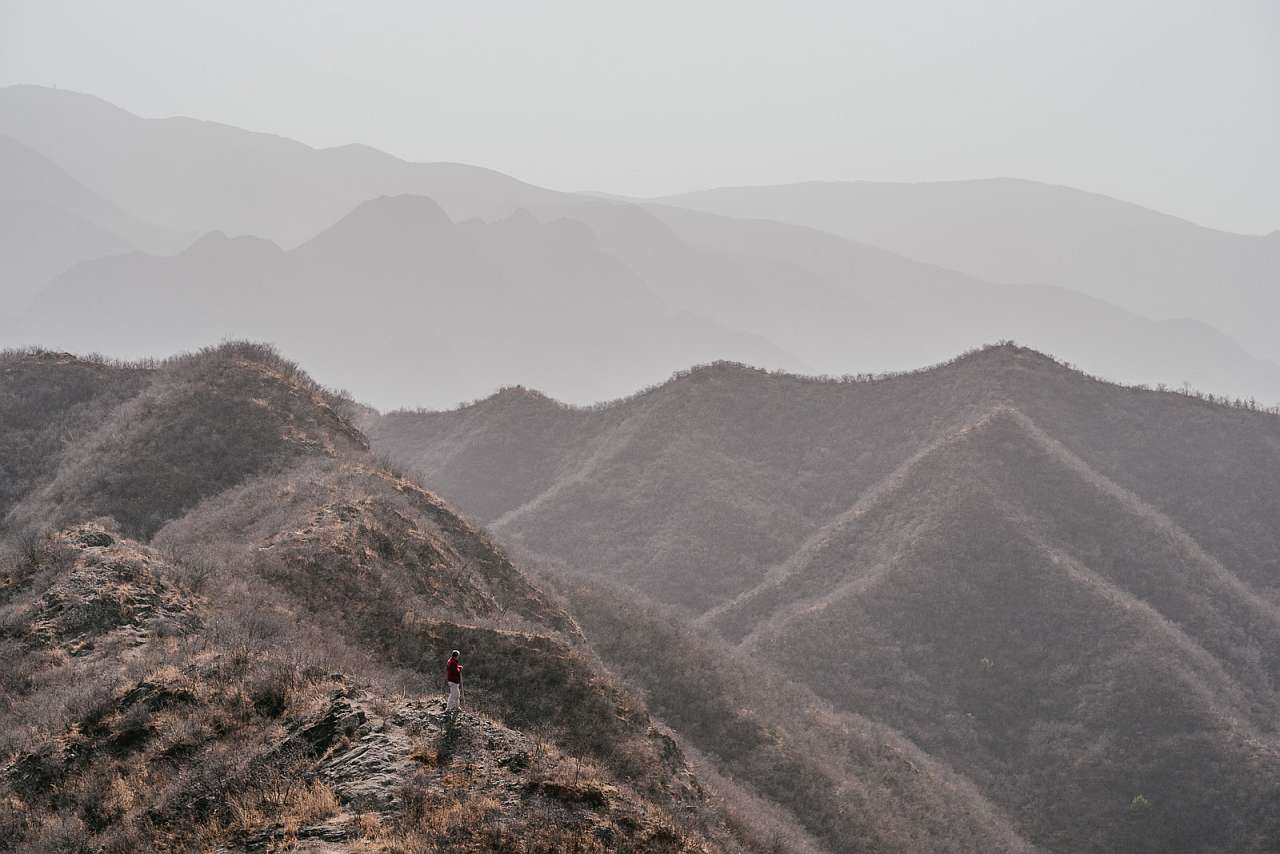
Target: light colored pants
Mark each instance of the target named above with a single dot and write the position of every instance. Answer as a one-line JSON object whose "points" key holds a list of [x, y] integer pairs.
{"points": [[455, 697]]}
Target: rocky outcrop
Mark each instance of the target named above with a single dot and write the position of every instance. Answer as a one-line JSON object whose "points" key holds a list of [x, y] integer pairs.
{"points": [[110, 596], [358, 771], [411, 759]]}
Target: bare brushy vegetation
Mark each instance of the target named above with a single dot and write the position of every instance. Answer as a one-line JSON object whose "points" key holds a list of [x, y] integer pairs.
{"points": [[143, 443], [184, 746], [285, 562], [768, 738], [1186, 390], [1062, 589]]}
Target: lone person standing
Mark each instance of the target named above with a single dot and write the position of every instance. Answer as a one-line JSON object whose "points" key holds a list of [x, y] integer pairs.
{"points": [[453, 674]]}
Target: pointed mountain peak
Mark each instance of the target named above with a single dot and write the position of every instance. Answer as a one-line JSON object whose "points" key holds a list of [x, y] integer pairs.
{"points": [[521, 217], [387, 225], [400, 210], [1008, 354], [516, 398], [217, 243]]}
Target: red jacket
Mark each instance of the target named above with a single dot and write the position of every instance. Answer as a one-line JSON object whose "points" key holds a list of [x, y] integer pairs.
{"points": [[453, 671]]}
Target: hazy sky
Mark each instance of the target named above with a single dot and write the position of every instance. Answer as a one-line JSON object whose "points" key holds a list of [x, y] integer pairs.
{"points": [[1174, 104]]}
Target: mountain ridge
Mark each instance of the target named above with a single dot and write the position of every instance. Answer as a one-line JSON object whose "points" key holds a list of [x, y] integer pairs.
{"points": [[1062, 588], [809, 303], [993, 180], [1020, 232], [515, 299], [222, 615]]}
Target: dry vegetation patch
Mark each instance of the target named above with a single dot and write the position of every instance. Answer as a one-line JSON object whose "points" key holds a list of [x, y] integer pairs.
{"points": [[253, 677], [108, 595]]}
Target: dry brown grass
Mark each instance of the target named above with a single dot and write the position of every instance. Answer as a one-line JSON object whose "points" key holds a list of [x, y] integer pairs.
{"points": [[291, 806], [186, 739]]}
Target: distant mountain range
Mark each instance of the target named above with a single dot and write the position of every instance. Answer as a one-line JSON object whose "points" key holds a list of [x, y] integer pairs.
{"points": [[1023, 232], [399, 302], [771, 293], [1066, 591], [196, 176]]}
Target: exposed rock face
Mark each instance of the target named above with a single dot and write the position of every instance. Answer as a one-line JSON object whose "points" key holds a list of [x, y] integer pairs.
{"points": [[109, 597], [367, 750], [359, 772]]}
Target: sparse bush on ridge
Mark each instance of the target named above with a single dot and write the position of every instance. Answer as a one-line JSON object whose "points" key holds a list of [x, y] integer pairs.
{"points": [[201, 423], [1185, 390]]}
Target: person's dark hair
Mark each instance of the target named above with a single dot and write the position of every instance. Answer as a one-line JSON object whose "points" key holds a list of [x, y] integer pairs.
{"points": [[455, 654]]}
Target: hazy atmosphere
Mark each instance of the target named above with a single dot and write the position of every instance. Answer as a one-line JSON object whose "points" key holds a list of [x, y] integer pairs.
{"points": [[1172, 105], [695, 428]]}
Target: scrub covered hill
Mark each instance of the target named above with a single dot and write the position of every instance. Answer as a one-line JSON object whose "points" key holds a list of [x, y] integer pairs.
{"points": [[223, 621], [1063, 590]]}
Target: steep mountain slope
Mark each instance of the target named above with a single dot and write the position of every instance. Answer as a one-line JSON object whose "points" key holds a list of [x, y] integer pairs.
{"points": [[49, 399], [828, 303], [823, 764], [1023, 232], [27, 175], [1024, 591], [201, 176], [481, 304], [48, 223], [37, 242], [253, 676], [1063, 589]]}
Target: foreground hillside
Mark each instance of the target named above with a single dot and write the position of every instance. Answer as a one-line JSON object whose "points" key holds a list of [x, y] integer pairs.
{"points": [[1063, 591], [223, 623]]}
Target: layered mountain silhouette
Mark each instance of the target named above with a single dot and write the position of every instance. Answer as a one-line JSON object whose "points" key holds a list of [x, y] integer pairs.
{"points": [[836, 303], [402, 303], [1011, 603], [38, 242], [1023, 232], [824, 304], [49, 222], [198, 176], [29, 176], [1062, 589]]}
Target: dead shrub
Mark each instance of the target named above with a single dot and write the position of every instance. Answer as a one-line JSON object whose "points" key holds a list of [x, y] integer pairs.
{"points": [[132, 729], [15, 818], [62, 833], [183, 737], [269, 692], [107, 798]]}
